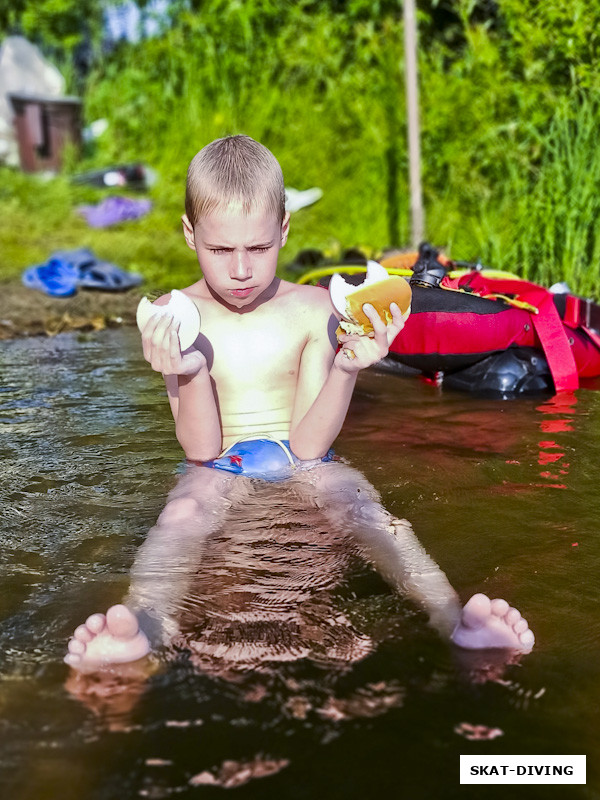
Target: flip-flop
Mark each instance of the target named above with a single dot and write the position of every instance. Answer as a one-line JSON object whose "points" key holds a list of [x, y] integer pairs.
{"points": [[107, 277], [56, 278], [96, 274]]}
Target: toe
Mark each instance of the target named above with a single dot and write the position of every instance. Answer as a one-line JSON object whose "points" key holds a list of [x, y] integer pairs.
{"points": [[72, 659], [527, 640], [83, 634], [96, 623], [512, 617], [499, 607], [76, 647], [521, 626], [476, 611], [121, 622]]}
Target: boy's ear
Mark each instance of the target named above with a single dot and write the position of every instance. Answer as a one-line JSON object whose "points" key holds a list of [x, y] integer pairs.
{"points": [[285, 228], [188, 232]]}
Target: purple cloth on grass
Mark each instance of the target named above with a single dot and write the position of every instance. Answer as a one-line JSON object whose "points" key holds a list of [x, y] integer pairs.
{"points": [[113, 210]]}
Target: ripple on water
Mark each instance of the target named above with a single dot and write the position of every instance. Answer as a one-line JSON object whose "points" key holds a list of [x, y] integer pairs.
{"points": [[89, 457]]}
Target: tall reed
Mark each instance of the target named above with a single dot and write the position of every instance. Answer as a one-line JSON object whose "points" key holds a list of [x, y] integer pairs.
{"points": [[558, 225]]}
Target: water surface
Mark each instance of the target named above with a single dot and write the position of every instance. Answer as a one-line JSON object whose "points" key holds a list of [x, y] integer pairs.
{"points": [[504, 495]]}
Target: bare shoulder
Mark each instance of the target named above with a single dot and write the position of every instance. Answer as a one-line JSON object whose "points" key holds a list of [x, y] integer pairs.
{"points": [[305, 299], [312, 313], [194, 291]]}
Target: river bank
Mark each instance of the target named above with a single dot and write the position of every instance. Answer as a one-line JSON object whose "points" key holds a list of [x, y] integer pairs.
{"points": [[24, 312]]}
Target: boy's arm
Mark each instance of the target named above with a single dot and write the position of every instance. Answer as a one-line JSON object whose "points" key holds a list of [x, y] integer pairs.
{"points": [[326, 380], [197, 422], [323, 392], [189, 387]]}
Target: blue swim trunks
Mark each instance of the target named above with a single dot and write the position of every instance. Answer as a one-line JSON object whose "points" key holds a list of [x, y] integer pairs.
{"points": [[267, 459]]}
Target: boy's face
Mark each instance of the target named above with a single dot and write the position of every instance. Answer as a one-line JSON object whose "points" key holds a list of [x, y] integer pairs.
{"points": [[237, 252]]}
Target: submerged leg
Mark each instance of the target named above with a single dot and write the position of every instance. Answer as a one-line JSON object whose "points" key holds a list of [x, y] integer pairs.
{"points": [[160, 575], [352, 504]]}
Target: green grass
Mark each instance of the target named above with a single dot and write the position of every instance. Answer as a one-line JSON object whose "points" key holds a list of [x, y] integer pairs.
{"points": [[39, 217], [510, 167]]}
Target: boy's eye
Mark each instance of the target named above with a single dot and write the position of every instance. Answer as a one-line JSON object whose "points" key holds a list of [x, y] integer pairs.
{"points": [[223, 250]]}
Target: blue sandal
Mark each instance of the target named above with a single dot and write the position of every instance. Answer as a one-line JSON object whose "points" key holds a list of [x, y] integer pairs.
{"points": [[107, 277], [56, 278], [96, 274]]}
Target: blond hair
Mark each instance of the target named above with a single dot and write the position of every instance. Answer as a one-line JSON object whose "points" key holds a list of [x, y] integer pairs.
{"points": [[234, 170]]}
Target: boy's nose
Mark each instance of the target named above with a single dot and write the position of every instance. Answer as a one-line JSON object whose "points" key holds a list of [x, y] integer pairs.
{"points": [[241, 266]]}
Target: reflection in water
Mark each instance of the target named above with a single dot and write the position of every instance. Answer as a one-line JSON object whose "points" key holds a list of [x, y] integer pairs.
{"points": [[88, 455], [257, 590], [272, 606], [555, 421], [265, 590]]}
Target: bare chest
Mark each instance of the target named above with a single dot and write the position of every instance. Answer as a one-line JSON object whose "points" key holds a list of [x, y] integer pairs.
{"points": [[251, 362]]}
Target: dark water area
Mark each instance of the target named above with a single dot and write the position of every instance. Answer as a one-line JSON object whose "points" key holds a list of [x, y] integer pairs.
{"points": [[503, 495]]}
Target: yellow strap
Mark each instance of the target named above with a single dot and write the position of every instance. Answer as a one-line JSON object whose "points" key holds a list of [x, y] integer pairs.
{"points": [[322, 272], [355, 269], [512, 301], [488, 273]]}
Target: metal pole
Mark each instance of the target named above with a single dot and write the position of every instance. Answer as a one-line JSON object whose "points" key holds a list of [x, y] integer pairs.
{"points": [[417, 214]]}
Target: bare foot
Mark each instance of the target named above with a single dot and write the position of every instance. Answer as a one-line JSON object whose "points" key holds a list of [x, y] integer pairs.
{"points": [[112, 639], [489, 623]]}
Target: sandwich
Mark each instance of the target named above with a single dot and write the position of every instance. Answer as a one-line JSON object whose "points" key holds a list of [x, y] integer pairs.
{"points": [[379, 289]]}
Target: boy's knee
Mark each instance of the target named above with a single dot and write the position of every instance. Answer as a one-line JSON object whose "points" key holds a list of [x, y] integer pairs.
{"points": [[346, 485], [346, 493], [179, 510]]}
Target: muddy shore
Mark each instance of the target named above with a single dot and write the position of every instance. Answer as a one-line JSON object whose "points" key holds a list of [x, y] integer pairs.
{"points": [[25, 312]]}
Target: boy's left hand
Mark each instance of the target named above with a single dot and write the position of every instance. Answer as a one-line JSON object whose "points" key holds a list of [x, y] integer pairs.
{"points": [[362, 351]]}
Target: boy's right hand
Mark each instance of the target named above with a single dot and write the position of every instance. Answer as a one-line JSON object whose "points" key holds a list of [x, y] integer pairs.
{"points": [[162, 351]]}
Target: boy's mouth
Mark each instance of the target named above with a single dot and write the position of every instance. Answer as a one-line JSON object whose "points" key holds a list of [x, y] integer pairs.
{"points": [[241, 292]]}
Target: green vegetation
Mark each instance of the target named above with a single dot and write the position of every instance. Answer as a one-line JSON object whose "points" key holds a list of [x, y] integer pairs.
{"points": [[510, 101]]}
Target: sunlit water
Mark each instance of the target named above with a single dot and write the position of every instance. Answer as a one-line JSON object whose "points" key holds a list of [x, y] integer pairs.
{"points": [[504, 495]]}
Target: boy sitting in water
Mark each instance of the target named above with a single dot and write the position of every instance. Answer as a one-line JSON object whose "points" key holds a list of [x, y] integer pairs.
{"points": [[265, 370]]}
